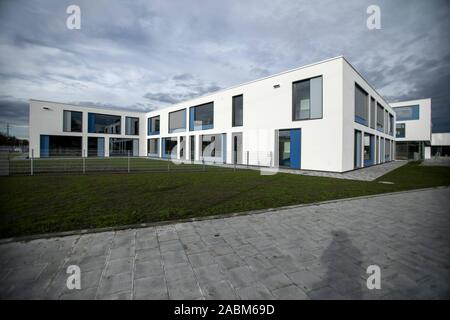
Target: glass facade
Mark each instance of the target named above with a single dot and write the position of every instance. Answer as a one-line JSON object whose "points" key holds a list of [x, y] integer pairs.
{"points": [[407, 113], [123, 147], [358, 143], [361, 105], [369, 150], [177, 121], [60, 146], [391, 124], [153, 125], [380, 117], [307, 99], [284, 148], [131, 126], [72, 121], [373, 110], [400, 130], [409, 150], [211, 146], [201, 117], [96, 147], [104, 123], [169, 146], [153, 147], [238, 111]]}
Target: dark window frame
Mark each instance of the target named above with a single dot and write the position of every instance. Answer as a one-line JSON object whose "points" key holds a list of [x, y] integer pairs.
{"points": [[109, 115], [177, 129], [293, 98], [126, 129], [233, 121], [207, 126], [149, 121], [72, 111]]}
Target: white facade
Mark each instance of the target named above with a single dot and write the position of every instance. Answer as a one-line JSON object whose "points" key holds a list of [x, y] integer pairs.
{"points": [[440, 139], [326, 143], [413, 128]]}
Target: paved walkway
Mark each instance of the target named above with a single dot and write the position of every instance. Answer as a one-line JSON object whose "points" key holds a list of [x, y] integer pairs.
{"points": [[309, 252], [364, 174]]}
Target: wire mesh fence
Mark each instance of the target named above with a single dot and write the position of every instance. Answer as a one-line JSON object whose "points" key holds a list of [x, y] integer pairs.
{"points": [[19, 163]]}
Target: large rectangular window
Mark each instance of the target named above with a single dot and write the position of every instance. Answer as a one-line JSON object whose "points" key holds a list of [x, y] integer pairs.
{"points": [[72, 121], [400, 130], [104, 123], [153, 125], [361, 105], [357, 148], [238, 111], [153, 147], [211, 147], [407, 113], [177, 121], [373, 110], [387, 148], [380, 117], [307, 99], [169, 146], [201, 117], [132, 126], [96, 147], [123, 147], [369, 149], [386, 121], [60, 146], [391, 124]]}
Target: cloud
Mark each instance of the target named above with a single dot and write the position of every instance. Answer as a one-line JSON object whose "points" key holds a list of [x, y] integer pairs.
{"points": [[148, 54]]}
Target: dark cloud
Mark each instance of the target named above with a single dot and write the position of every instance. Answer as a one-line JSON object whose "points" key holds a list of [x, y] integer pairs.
{"points": [[14, 111], [147, 54]]}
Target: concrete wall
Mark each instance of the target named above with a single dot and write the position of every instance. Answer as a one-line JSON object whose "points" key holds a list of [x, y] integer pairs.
{"points": [[416, 130]]}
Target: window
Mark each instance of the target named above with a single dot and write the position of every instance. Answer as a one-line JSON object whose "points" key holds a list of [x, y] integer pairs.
{"points": [[96, 147], [357, 148], [182, 147], [407, 113], [201, 117], [177, 121], [368, 150], [72, 121], [400, 130], [211, 146], [132, 126], [380, 117], [372, 113], [307, 99], [170, 147], [361, 105], [391, 124], [123, 147], [153, 125], [153, 147], [238, 111], [387, 152], [104, 123], [60, 146]]}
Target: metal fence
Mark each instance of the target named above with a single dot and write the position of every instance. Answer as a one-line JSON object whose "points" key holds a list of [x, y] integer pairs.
{"points": [[17, 163]]}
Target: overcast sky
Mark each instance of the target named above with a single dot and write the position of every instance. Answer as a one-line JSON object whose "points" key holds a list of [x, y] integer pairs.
{"points": [[148, 54]]}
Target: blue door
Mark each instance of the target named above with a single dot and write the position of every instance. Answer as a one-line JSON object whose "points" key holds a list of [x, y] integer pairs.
{"points": [[296, 138]]}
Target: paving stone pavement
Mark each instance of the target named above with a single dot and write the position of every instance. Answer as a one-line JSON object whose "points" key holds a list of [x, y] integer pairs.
{"points": [[308, 252]]}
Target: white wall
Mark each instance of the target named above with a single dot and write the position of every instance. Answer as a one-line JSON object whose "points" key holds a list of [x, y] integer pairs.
{"points": [[351, 76], [327, 144], [417, 130], [440, 139], [49, 121]]}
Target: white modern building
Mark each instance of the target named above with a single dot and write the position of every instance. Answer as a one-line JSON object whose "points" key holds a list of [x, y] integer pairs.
{"points": [[440, 144], [413, 129], [322, 116]]}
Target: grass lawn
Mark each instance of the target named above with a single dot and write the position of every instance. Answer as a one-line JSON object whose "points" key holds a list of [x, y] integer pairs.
{"points": [[41, 204]]}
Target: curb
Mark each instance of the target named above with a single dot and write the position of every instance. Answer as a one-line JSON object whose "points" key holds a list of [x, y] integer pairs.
{"points": [[213, 217]]}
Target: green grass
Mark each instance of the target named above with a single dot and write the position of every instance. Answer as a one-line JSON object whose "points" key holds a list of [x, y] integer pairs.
{"points": [[42, 204]]}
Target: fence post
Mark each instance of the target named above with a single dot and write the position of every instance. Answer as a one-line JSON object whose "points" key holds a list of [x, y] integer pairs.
{"points": [[84, 161], [128, 161], [247, 158], [31, 161]]}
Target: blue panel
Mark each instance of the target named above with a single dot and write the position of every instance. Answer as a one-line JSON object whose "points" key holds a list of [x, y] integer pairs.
{"points": [[45, 146], [91, 123], [361, 120], [295, 135], [191, 118]]}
